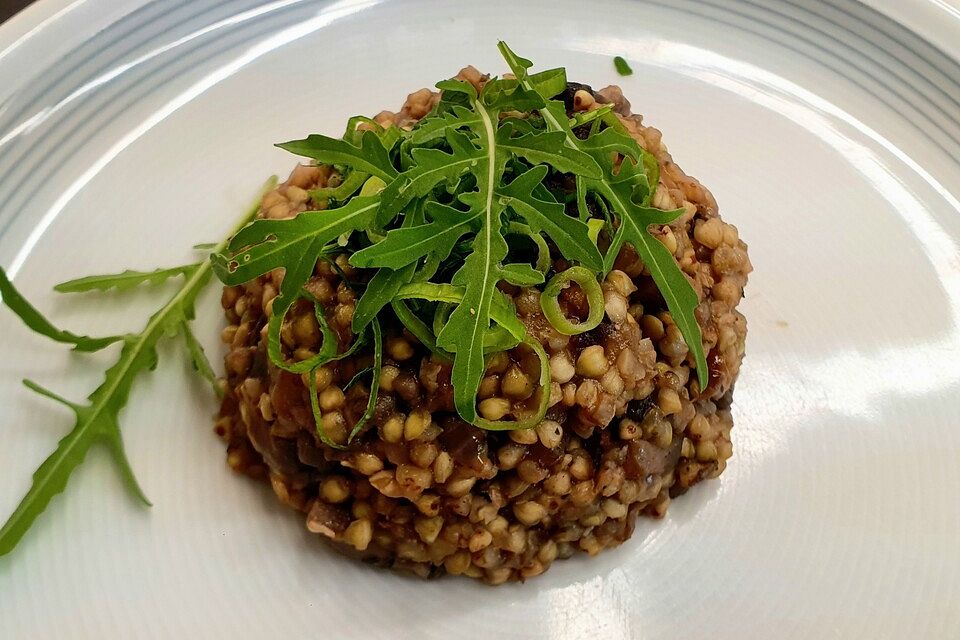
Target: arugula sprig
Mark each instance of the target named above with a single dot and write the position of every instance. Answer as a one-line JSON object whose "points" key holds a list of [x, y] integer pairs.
{"points": [[627, 188], [97, 421], [436, 203]]}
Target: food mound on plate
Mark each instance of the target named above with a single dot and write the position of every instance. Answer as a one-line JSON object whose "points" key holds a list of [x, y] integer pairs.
{"points": [[485, 332]]}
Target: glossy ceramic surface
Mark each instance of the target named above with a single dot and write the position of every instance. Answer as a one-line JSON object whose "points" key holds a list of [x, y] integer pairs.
{"points": [[829, 131]]}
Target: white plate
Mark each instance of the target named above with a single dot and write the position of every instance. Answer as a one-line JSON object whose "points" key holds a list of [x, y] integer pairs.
{"points": [[830, 134]]}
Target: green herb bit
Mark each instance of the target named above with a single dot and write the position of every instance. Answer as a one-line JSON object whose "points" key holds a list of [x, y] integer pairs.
{"points": [[587, 117], [356, 378], [622, 67]]}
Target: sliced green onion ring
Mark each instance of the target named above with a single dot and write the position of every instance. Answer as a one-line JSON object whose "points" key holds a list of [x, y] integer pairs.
{"points": [[594, 227], [328, 343], [551, 306], [543, 400]]}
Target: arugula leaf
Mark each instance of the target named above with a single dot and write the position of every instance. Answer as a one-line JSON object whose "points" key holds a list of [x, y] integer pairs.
{"points": [[635, 219], [353, 132], [371, 156], [406, 245], [505, 95], [417, 327], [518, 65], [317, 414], [548, 148], [381, 289], [432, 167], [569, 234], [504, 313], [521, 275], [479, 275], [125, 280], [677, 291], [436, 127], [36, 322], [293, 244], [607, 142], [350, 185], [549, 83], [383, 286], [374, 381]]}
